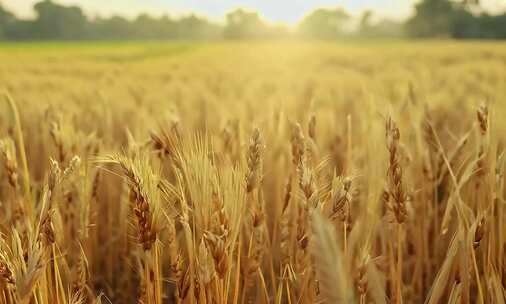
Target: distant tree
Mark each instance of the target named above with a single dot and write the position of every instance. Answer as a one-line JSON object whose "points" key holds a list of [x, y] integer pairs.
{"points": [[6, 20], [324, 23], [167, 27], [470, 21], [493, 26], [458, 19], [464, 25], [194, 27], [365, 23], [483, 26], [113, 28], [244, 24], [147, 27], [5, 16], [384, 28], [59, 22], [431, 18]]}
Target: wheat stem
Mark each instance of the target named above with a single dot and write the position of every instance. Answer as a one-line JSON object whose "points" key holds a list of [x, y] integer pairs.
{"points": [[399, 264], [22, 151]]}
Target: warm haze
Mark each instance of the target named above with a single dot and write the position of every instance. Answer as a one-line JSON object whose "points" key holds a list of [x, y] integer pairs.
{"points": [[284, 11]]}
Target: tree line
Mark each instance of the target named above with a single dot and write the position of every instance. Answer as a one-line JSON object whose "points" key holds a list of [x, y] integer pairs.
{"points": [[431, 18], [455, 19]]}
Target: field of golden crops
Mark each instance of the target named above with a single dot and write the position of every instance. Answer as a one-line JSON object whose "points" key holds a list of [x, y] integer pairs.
{"points": [[253, 172]]}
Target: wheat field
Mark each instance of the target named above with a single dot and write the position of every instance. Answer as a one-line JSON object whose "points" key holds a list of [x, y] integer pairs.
{"points": [[253, 172]]}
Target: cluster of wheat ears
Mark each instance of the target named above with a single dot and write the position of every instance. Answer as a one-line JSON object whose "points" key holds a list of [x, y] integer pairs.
{"points": [[346, 205], [198, 223]]}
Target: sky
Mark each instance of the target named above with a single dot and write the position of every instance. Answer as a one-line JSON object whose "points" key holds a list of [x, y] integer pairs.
{"points": [[283, 11]]}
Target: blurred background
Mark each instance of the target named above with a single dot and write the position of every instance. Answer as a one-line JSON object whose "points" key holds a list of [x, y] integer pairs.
{"points": [[227, 19]]}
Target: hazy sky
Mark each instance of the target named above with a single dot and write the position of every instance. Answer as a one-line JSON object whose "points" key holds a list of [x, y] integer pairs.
{"points": [[287, 11]]}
